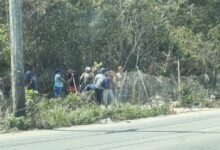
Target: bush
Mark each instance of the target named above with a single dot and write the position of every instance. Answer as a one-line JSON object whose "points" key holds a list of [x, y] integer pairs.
{"points": [[21, 123], [52, 117], [86, 115], [75, 110], [193, 93]]}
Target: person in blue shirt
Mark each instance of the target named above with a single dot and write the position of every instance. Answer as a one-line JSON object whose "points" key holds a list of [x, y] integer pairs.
{"points": [[99, 82], [58, 83]]}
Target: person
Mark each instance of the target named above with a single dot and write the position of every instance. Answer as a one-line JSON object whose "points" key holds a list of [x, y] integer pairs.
{"points": [[119, 81], [30, 80], [73, 80], [86, 78], [109, 85], [206, 80], [98, 82], [58, 83]]}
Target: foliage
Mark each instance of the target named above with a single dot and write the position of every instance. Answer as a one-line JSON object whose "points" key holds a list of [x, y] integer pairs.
{"points": [[4, 50], [193, 93], [53, 116], [152, 35], [54, 113], [149, 35]]}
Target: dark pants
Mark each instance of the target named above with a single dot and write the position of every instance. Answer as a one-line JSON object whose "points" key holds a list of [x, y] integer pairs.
{"points": [[99, 95], [57, 91]]}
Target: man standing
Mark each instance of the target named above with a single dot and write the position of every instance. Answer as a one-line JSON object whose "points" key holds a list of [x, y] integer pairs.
{"points": [[58, 85], [119, 81], [99, 87], [109, 86]]}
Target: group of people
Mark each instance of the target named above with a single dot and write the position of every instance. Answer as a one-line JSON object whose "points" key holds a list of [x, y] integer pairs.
{"points": [[106, 83]]}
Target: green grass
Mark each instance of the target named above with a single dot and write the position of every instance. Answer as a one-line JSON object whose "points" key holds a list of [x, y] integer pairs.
{"points": [[75, 110]]}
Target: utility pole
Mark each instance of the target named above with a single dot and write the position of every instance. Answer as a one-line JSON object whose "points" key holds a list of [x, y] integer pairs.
{"points": [[178, 68], [17, 63]]}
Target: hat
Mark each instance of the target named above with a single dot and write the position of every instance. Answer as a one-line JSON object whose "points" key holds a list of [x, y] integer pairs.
{"points": [[88, 69], [120, 67], [103, 70], [58, 70]]}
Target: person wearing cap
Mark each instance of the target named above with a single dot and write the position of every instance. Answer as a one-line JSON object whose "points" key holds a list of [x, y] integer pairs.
{"points": [[86, 78], [109, 86], [98, 82], [58, 83]]}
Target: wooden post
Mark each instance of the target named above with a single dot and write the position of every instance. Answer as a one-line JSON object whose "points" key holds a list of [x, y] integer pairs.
{"points": [[17, 64], [178, 68]]}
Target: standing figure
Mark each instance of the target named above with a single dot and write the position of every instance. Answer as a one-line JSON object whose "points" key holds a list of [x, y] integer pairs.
{"points": [[119, 82], [99, 82], [109, 86], [58, 83], [86, 78], [73, 80]]}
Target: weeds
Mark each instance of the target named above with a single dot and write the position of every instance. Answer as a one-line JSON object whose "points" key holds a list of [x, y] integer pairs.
{"points": [[75, 110], [193, 93]]}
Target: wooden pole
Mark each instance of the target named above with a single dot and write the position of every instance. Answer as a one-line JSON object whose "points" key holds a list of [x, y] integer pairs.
{"points": [[17, 64], [178, 68]]}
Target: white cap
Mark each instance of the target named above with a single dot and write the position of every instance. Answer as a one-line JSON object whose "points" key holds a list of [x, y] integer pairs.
{"points": [[88, 69]]}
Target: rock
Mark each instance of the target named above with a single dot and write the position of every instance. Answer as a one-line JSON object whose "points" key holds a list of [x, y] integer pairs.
{"points": [[106, 121], [175, 104], [197, 105]]}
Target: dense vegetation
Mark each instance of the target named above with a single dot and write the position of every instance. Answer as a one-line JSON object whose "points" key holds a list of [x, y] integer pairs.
{"points": [[152, 35], [76, 110]]}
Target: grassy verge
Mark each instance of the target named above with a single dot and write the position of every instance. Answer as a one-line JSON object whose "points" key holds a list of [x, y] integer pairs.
{"points": [[75, 110]]}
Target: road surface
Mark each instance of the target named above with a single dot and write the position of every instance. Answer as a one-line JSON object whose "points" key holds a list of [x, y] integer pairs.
{"points": [[190, 131]]}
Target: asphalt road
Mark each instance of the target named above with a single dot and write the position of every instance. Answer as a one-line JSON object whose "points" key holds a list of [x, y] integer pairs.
{"points": [[191, 131]]}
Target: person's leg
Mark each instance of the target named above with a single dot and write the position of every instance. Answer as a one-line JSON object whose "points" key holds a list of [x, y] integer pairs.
{"points": [[99, 95], [105, 97], [57, 91], [60, 91], [118, 94], [111, 96], [71, 89]]}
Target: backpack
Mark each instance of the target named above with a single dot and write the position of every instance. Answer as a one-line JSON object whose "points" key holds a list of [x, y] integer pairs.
{"points": [[104, 83]]}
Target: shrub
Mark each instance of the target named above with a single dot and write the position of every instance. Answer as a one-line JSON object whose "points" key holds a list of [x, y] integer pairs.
{"points": [[72, 110], [52, 117], [86, 115], [21, 123], [192, 92]]}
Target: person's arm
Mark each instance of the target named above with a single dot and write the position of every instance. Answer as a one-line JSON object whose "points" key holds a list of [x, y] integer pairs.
{"points": [[28, 84], [71, 79], [81, 78], [29, 80], [95, 80], [64, 81], [115, 79]]}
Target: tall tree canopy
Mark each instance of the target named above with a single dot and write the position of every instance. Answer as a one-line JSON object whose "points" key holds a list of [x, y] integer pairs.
{"points": [[152, 35]]}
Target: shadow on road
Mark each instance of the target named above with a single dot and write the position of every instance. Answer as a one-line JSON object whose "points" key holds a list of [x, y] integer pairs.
{"points": [[137, 130]]}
